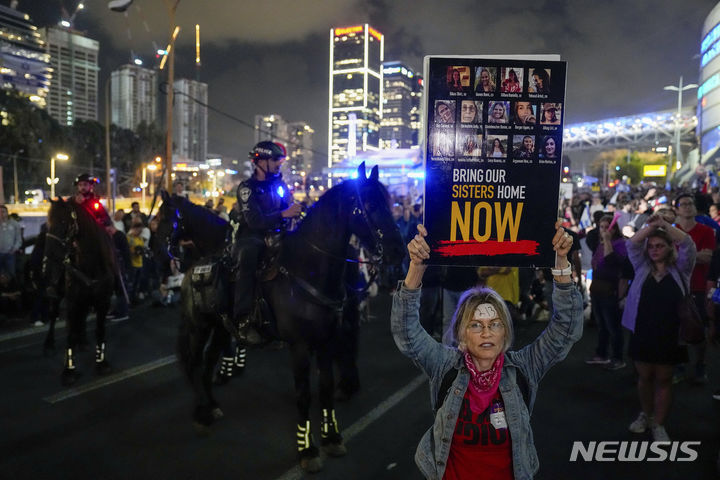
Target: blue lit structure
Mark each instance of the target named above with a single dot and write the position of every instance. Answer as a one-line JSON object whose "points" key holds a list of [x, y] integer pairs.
{"points": [[708, 110]]}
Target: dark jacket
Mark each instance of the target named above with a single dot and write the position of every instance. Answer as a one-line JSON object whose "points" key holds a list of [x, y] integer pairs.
{"points": [[261, 205]]}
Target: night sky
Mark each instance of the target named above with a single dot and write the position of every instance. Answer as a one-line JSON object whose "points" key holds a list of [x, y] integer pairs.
{"points": [[271, 56]]}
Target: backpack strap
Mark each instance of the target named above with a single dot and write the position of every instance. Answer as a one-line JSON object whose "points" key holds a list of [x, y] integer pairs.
{"points": [[452, 374]]}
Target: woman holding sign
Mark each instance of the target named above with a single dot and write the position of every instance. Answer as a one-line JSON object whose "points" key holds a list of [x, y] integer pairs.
{"points": [[479, 380]]}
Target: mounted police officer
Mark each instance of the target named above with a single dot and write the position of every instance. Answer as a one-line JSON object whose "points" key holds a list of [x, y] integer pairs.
{"points": [[85, 196], [266, 206]]}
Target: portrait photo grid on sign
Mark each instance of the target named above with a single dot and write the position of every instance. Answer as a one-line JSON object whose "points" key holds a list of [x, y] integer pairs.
{"points": [[495, 113]]}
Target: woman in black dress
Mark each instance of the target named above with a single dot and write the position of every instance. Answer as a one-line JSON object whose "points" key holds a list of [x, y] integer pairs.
{"points": [[662, 276]]}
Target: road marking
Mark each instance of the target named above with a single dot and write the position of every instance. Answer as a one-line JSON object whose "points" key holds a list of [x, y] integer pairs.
{"points": [[29, 331], [296, 473], [110, 379]]}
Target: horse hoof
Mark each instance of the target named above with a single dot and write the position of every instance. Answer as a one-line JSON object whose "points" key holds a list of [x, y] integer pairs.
{"points": [[311, 464], [201, 430], [334, 449], [69, 377], [217, 413], [103, 368]]}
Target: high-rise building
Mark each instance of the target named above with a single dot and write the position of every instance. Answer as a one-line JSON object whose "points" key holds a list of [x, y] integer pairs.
{"points": [[271, 127], [402, 91], [133, 92], [299, 148], [74, 86], [190, 121], [355, 103], [24, 63]]}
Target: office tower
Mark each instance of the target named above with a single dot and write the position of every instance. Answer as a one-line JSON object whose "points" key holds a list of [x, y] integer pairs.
{"points": [[190, 121], [299, 147], [73, 91], [25, 65], [355, 103], [271, 127], [133, 92], [402, 91]]}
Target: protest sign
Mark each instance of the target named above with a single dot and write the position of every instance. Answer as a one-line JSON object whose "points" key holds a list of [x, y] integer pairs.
{"points": [[493, 149]]}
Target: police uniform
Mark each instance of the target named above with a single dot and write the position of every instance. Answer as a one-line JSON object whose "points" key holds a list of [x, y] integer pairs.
{"points": [[92, 204], [261, 204]]}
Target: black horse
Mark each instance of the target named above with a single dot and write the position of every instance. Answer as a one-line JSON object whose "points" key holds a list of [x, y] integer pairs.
{"points": [[306, 298], [79, 252]]}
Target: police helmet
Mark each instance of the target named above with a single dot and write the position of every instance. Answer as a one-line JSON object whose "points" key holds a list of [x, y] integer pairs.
{"points": [[267, 150], [85, 177]]}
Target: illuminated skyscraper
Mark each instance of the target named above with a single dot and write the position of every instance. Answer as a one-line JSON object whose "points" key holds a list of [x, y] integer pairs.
{"points": [[190, 121], [25, 65], [355, 103], [133, 92], [402, 91], [271, 127], [299, 148], [74, 86]]}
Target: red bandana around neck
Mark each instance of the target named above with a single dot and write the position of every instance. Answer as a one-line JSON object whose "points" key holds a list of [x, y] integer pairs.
{"points": [[483, 385]]}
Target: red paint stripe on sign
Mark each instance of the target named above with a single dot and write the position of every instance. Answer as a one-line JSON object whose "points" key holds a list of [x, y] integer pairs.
{"points": [[490, 248]]}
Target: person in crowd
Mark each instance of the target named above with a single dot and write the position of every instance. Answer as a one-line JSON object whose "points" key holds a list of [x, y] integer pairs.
{"points": [[640, 213], [485, 81], [209, 204], [527, 149], [267, 206], [493, 389], [549, 114], [455, 81], [497, 113], [548, 148], [596, 204], [118, 220], [469, 112], [86, 197], [523, 113], [179, 189], [540, 81], [511, 84], [10, 243], [663, 258], [607, 261], [714, 212], [496, 150], [136, 244], [444, 112], [134, 213], [704, 239]]}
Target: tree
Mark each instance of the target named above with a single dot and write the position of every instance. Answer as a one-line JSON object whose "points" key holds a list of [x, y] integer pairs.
{"points": [[618, 164]]}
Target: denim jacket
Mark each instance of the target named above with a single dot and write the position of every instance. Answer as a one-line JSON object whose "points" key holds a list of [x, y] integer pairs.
{"points": [[435, 360]]}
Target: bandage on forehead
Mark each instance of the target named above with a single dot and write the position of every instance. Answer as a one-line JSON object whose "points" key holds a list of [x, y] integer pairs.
{"points": [[485, 311]]}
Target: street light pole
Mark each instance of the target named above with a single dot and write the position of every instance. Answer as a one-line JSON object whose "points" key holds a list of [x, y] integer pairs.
{"points": [[52, 180], [171, 7], [678, 117]]}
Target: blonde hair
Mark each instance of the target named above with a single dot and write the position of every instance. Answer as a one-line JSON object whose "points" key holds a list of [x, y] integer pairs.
{"points": [[465, 311]]}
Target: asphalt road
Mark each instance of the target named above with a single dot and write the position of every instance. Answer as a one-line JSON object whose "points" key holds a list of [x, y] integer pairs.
{"points": [[135, 423]]}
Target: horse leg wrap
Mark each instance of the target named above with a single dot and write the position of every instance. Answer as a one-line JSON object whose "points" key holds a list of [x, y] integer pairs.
{"points": [[69, 364], [330, 432], [304, 437], [226, 366], [240, 353], [100, 352]]}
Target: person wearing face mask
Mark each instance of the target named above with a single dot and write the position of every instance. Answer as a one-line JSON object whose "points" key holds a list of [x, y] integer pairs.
{"points": [[482, 422]]}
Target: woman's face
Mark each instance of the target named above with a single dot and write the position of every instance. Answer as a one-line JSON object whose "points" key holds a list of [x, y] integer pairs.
{"points": [[538, 81], [657, 249], [528, 144], [456, 76], [496, 143], [513, 76], [523, 110], [444, 113], [468, 111], [485, 338], [498, 111], [550, 147], [485, 78]]}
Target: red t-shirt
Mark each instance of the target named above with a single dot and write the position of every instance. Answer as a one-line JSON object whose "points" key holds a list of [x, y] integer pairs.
{"points": [[704, 237], [478, 448]]}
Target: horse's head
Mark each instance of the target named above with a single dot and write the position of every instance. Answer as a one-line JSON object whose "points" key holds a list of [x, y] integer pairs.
{"points": [[62, 228], [372, 221]]}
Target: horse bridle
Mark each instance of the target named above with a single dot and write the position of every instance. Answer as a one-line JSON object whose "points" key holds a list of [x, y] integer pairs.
{"points": [[66, 242]]}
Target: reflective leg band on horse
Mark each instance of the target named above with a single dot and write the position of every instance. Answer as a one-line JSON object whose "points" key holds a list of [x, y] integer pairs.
{"points": [[100, 352], [329, 424], [303, 436], [69, 364], [240, 353]]}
